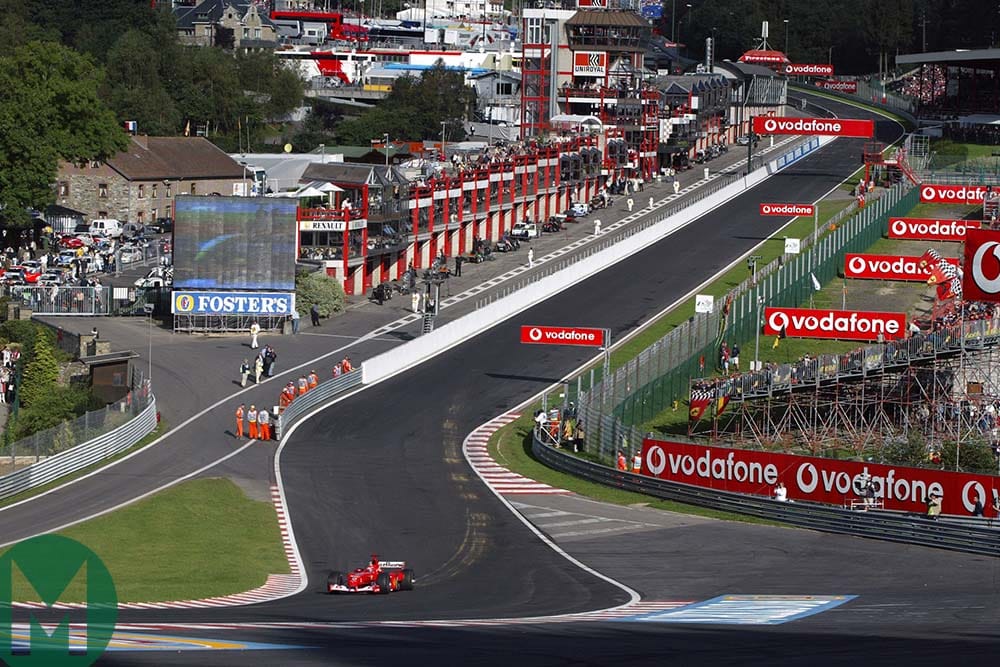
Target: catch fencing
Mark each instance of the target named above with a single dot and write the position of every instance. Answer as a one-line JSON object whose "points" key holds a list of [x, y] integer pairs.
{"points": [[659, 377], [88, 301], [76, 444], [323, 392]]}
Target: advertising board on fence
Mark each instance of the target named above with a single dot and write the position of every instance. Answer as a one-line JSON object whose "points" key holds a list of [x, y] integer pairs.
{"points": [[794, 69], [888, 267], [981, 278], [928, 229], [814, 479], [787, 209], [839, 85], [538, 335], [232, 303], [835, 127], [953, 194], [839, 324]]}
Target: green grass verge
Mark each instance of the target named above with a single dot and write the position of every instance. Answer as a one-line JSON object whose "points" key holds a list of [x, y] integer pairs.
{"points": [[949, 154], [511, 447], [202, 538], [857, 103], [38, 490]]}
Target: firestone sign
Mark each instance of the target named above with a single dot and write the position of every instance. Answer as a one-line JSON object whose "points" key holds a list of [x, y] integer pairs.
{"points": [[928, 229], [813, 479], [953, 194], [836, 127], [587, 337], [787, 209], [838, 324], [808, 70], [888, 267]]}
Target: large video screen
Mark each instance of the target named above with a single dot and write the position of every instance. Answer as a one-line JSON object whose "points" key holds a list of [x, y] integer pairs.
{"points": [[234, 243]]}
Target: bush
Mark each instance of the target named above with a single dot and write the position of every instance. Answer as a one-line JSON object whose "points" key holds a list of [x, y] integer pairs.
{"points": [[320, 289], [41, 372], [26, 333], [910, 452], [976, 456], [55, 407]]}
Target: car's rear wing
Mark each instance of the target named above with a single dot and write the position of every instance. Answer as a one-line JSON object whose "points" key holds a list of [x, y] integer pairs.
{"points": [[392, 564]]}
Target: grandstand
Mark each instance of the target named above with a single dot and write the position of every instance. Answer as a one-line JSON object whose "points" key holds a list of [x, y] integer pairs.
{"points": [[949, 85]]}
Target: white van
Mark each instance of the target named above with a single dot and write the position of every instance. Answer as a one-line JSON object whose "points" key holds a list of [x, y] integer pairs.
{"points": [[110, 227]]}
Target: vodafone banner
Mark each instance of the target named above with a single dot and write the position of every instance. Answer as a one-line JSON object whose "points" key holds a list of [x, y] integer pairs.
{"points": [[785, 210], [835, 127], [813, 479], [928, 229], [562, 336], [808, 70], [841, 324], [888, 267], [839, 85], [981, 277], [953, 194]]}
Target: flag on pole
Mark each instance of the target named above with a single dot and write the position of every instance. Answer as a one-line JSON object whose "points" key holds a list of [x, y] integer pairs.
{"points": [[781, 334], [816, 285]]}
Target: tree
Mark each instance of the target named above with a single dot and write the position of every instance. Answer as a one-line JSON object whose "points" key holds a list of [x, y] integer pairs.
{"points": [[41, 373], [975, 456], [319, 289], [50, 110], [136, 89], [282, 88], [909, 452]]}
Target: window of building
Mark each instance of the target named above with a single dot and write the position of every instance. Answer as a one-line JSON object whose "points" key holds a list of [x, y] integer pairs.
{"points": [[140, 217], [246, 33], [169, 194], [155, 191], [102, 190], [142, 191], [534, 30], [152, 214], [194, 188], [505, 89], [102, 214], [95, 164], [256, 33], [64, 188]]}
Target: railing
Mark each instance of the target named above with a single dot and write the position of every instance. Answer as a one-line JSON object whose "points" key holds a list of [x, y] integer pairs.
{"points": [[101, 436], [888, 526], [305, 402]]}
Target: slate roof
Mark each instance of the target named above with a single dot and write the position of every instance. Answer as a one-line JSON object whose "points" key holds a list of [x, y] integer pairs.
{"points": [[210, 11], [174, 158], [610, 18]]}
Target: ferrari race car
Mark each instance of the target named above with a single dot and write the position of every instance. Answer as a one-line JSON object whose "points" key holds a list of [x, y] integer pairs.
{"points": [[380, 576]]}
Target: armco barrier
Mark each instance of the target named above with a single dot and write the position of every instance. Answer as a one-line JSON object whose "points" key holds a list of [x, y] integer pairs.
{"points": [[321, 393], [626, 243], [82, 455], [875, 524]]}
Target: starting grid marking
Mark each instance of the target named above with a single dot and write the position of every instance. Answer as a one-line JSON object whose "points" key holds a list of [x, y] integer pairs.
{"points": [[747, 609], [498, 478]]}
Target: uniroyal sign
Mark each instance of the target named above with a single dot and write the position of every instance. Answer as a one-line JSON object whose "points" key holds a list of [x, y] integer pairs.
{"points": [[808, 70], [953, 194], [813, 479], [785, 210], [839, 85], [590, 63], [836, 127], [562, 336], [841, 324], [981, 275], [928, 229], [888, 267]]}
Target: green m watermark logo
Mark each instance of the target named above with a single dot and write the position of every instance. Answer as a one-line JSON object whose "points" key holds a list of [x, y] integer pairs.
{"points": [[42, 569]]}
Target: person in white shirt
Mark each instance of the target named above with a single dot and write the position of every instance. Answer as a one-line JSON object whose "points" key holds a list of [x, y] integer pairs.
{"points": [[780, 492]]}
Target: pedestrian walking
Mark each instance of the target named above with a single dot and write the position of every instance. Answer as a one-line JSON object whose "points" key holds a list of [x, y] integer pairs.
{"points": [[415, 302], [650, 202], [630, 203], [295, 320], [458, 265], [677, 187], [531, 257], [258, 369], [254, 332], [252, 421], [597, 227], [270, 356], [244, 372], [314, 314], [239, 422], [264, 424]]}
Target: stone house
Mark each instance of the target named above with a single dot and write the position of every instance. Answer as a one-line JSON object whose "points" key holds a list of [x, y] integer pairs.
{"points": [[231, 24], [139, 184]]}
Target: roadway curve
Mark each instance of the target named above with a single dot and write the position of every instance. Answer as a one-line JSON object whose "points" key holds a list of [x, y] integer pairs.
{"points": [[383, 471]]}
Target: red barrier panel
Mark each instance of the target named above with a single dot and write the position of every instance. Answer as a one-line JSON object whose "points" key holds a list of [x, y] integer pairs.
{"points": [[815, 479]]}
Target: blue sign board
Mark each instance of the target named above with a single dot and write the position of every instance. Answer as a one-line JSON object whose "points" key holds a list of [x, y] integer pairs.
{"points": [[232, 303]]}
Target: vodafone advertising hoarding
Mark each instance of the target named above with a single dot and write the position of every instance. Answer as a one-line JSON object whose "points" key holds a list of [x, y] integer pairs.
{"points": [[953, 194], [813, 479], [785, 210], [981, 275], [834, 127], [792, 69], [587, 337], [839, 86], [928, 229], [888, 267], [839, 324]]}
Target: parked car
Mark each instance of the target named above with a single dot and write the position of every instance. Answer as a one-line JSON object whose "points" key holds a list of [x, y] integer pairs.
{"points": [[65, 257], [743, 140], [71, 242], [52, 277], [106, 227], [131, 230], [162, 225], [579, 209], [524, 230], [130, 255]]}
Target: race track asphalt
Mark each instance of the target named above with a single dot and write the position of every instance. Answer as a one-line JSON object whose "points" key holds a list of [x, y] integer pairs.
{"points": [[383, 471]]}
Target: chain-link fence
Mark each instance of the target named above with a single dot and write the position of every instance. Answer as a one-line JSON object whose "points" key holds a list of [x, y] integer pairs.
{"points": [[69, 434], [659, 377]]}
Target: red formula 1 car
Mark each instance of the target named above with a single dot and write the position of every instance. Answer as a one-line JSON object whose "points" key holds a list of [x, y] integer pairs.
{"points": [[378, 577]]}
